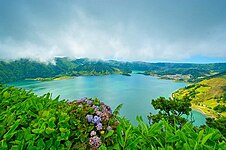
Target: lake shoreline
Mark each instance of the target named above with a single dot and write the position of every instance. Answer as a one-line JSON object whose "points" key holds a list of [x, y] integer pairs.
{"points": [[52, 78], [204, 111]]}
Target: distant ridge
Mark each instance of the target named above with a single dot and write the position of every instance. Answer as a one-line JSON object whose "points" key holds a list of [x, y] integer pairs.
{"points": [[21, 69]]}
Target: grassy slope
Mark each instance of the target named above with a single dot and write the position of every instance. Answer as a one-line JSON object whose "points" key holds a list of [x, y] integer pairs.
{"points": [[205, 95]]}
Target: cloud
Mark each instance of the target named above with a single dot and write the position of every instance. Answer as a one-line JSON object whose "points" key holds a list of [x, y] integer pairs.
{"points": [[82, 34]]}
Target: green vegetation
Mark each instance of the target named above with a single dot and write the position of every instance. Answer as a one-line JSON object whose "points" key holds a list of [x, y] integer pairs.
{"points": [[219, 124], [63, 67], [208, 96], [28, 121], [193, 73], [171, 110], [31, 122], [28, 69]]}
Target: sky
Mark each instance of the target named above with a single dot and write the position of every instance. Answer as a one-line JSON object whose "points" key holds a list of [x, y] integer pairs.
{"points": [[130, 30]]}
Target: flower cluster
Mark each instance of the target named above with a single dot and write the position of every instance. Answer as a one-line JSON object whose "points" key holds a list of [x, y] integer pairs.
{"points": [[99, 115], [95, 141]]}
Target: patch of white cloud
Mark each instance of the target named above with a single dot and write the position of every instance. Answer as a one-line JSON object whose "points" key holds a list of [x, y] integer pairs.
{"points": [[87, 37]]}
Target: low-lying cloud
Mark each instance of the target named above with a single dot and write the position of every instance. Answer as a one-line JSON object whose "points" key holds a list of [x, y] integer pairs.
{"points": [[84, 35]]}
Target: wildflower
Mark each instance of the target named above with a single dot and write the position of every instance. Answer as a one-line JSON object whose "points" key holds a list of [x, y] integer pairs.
{"points": [[79, 101], [99, 113], [89, 118], [96, 120], [110, 111], [89, 102], [96, 108], [109, 128], [105, 115], [99, 126], [93, 133], [83, 99], [95, 141]]}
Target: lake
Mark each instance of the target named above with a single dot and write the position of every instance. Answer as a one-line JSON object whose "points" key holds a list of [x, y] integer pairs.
{"points": [[135, 92]]}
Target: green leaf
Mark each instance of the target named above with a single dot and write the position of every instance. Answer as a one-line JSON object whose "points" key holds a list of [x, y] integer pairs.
{"points": [[127, 132], [134, 143], [119, 136], [11, 132], [172, 138], [68, 144], [49, 130], [49, 143], [109, 134], [117, 110], [41, 144], [186, 146], [4, 145], [206, 138], [37, 131], [156, 127], [102, 147]]}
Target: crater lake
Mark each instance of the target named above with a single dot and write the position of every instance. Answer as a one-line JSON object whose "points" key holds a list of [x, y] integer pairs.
{"points": [[135, 92]]}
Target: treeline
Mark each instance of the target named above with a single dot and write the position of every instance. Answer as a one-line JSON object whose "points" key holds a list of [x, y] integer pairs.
{"points": [[24, 68]]}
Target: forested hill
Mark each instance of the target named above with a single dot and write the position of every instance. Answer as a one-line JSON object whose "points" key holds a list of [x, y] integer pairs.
{"points": [[24, 68]]}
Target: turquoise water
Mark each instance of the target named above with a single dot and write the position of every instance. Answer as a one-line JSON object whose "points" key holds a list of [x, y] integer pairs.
{"points": [[135, 92]]}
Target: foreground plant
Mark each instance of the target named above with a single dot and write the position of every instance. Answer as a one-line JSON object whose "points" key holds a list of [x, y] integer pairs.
{"points": [[28, 121]]}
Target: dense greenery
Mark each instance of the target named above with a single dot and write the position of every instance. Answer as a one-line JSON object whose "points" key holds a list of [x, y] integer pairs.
{"points": [[220, 108], [32, 122], [24, 68], [28, 121], [171, 110], [219, 124]]}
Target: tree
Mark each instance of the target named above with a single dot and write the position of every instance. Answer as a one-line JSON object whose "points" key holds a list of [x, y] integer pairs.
{"points": [[171, 110], [219, 124]]}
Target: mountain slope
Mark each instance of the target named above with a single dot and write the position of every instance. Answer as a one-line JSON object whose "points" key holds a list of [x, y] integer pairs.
{"points": [[24, 68], [208, 96]]}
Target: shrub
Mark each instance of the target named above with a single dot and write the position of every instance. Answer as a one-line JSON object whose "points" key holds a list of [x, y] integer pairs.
{"points": [[31, 122]]}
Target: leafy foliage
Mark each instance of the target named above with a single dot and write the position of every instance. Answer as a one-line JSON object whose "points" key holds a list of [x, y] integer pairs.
{"points": [[170, 110], [219, 124], [163, 135], [220, 108], [28, 121], [31, 122]]}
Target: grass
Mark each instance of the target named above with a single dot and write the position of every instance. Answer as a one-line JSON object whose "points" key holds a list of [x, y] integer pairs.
{"points": [[205, 96]]}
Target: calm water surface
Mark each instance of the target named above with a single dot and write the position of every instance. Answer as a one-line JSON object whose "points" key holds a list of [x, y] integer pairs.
{"points": [[134, 92]]}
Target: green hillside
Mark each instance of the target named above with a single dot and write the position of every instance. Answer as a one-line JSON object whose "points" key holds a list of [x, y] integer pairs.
{"points": [[208, 96], [64, 68]]}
